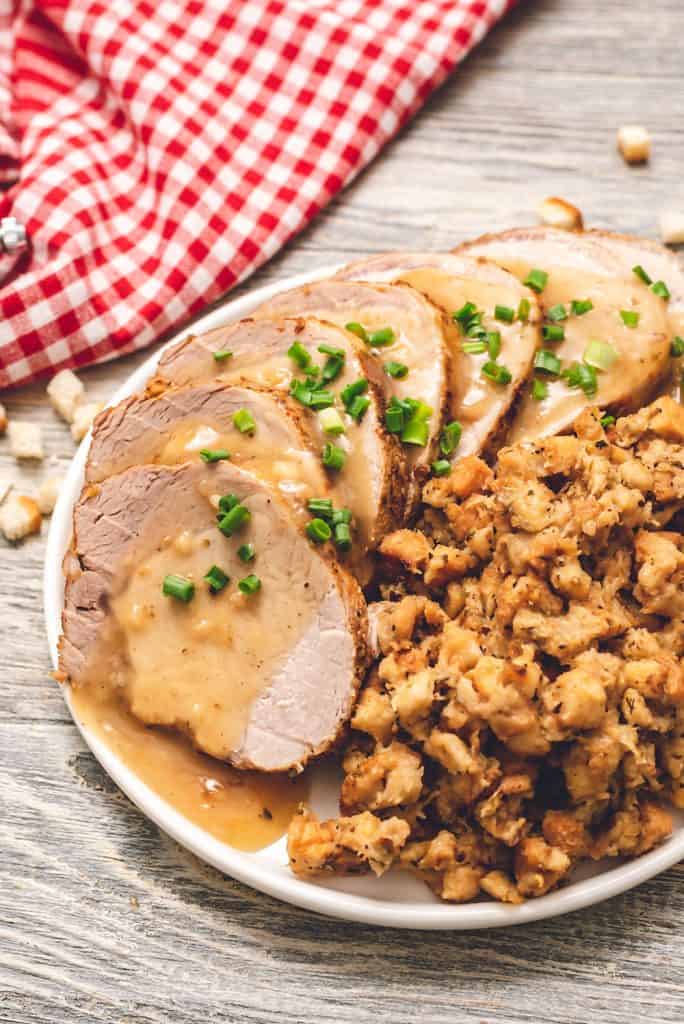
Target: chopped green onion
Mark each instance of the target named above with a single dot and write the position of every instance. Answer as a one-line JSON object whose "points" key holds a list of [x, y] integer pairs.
{"points": [[300, 391], [179, 587], [321, 507], [244, 421], [547, 362], [380, 338], [358, 329], [246, 552], [524, 310], [493, 343], [582, 376], [464, 315], [299, 355], [450, 437], [351, 391], [629, 317], [216, 579], [416, 426], [474, 348], [328, 350], [341, 515], [540, 390], [396, 370], [227, 502], [318, 531], [321, 399], [661, 289], [343, 538], [641, 274], [536, 280], [333, 457], [607, 421], [497, 373], [557, 313], [311, 397], [214, 454], [475, 328], [394, 417], [600, 354], [505, 314], [332, 369], [250, 584], [331, 422], [677, 347], [442, 467], [553, 332], [357, 407], [234, 520], [222, 354], [581, 306]]}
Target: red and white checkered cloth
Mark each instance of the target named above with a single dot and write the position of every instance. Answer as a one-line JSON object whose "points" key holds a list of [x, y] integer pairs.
{"points": [[160, 151]]}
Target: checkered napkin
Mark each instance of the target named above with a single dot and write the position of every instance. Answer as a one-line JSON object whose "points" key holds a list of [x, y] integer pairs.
{"points": [[158, 151]]}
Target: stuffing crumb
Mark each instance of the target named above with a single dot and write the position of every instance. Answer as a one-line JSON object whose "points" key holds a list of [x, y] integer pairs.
{"points": [[66, 392], [48, 492], [19, 517], [83, 419], [559, 213], [634, 143], [672, 227], [26, 440]]}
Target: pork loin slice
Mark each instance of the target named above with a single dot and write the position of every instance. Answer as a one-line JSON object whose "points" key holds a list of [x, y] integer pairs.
{"points": [[450, 281], [176, 425], [421, 332], [580, 267], [373, 482], [264, 680]]}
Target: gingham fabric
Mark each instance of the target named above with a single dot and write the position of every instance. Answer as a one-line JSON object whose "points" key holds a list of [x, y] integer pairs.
{"points": [[158, 152]]}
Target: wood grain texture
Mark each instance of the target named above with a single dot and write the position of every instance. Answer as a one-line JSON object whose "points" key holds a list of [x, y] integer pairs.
{"points": [[104, 919]]}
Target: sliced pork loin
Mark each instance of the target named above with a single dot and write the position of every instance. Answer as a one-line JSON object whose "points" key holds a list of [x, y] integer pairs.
{"points": [[579, 268], [373, 480], [265, 680], [450, 282], [420, 341]]}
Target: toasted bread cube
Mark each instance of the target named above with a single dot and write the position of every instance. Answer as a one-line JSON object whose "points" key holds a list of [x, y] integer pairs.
{"points": [[83, 419], [19, 517], [559, 213], [634, 143], [25, 440], [672, 227], [48, 492], [3, 419], [66, 392]]}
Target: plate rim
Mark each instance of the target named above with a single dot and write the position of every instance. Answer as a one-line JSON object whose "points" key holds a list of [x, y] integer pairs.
{"points": [[250, 868]]}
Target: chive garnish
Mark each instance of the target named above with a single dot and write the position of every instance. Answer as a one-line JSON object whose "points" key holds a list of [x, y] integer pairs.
{"points": [[396, 370], [660, 289], [299, 355], [358, 329], [505, 314], [450, 438], [607, 421], [333, 457], [442, 467], [328, 350], [179, 587], [581, 376], [227, 502], [493, 344], [214, 454], [553, 332], [600, 355], [540, 390], [343, 538], [677, 347], [318, 531], [246, 552], [581, 306], [641, 274], [340, 515], [557, 313], [222, 354], [524, 310], [547, 362], [332, 369], [474, 348], [234, 520], [244, 421], [394, 417], [352, 391], [216, 579], [320, 507], [250, 584], [311, 396], [629, 317], [536, 279], [496, 372], [380, 338], [331, 422], [357, 407], [464, 315]]}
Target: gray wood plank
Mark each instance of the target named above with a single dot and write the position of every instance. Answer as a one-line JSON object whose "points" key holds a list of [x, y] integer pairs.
{"points": [[104, 919]]}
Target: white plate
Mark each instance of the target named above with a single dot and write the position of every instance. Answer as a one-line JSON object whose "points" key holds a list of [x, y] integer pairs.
{"points": [[397, 900]]}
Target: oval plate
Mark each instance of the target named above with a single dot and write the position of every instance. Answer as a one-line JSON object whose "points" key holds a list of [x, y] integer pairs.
{"points": [[397, 900]]}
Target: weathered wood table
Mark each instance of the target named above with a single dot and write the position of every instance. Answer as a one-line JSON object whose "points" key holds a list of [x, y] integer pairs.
{"points": [[102, 918]]}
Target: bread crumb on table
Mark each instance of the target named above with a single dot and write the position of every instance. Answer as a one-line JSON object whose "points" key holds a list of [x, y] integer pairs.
{"points": [[83, 419], [48, 492], [66, 393], [634, 143], [559, 213], [25, 439], [19, 517], [672, 227]]}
